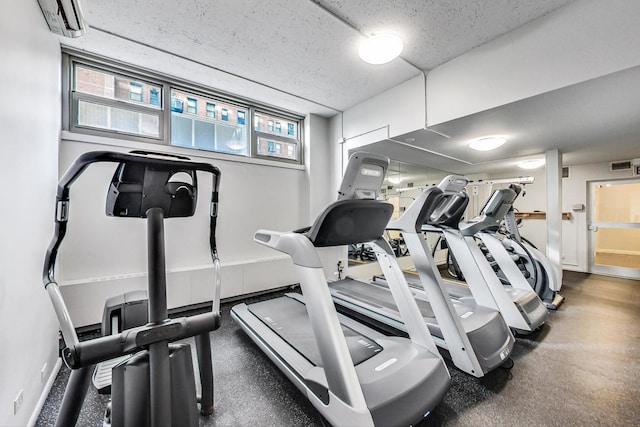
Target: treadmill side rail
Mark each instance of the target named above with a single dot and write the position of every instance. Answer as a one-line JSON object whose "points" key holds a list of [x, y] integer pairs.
{"points": [[460, 349], [334, 352], [482, 280], [409, 311]]}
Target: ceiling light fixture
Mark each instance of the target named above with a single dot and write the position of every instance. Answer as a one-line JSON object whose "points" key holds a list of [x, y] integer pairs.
{"points": [[531, 164], [395, 180], [380, 48], [487, 143]]}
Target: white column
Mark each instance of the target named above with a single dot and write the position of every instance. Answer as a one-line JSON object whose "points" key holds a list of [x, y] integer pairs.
{"points": [[554, 210]]}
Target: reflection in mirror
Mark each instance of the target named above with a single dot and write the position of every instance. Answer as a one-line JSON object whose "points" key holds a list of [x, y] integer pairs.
{"points": [[403, 184]]}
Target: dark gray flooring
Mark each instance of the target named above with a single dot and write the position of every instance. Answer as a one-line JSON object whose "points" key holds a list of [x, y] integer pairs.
{"points": [[581, 369]]}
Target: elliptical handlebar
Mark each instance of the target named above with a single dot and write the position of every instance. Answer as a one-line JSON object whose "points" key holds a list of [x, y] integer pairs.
{"points": [[157, 160], [87, 353]]}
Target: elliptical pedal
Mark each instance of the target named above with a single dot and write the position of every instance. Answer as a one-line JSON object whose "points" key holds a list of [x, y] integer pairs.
{"points": [[555, 303], [101, 378]]}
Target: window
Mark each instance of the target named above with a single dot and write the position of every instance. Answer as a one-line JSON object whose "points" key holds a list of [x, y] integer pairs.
{"points": [[205, 131], [135, 91], [276, 137], [192, 106], [115, 100], [107, 101], [211, 110]]}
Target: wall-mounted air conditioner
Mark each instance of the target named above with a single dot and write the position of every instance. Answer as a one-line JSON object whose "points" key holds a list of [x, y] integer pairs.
{"points": [[64, 17]]}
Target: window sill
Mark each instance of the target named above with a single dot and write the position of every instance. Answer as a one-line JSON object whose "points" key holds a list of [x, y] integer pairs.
{"points": [[191, 153]]}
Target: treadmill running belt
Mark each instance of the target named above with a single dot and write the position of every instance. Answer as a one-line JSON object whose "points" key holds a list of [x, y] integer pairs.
{"points": [[288, 318], [377, 294]]}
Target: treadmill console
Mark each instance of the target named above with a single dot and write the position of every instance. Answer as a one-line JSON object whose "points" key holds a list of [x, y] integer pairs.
{"points": [[491, 214], [364, 176], [453, 183]]}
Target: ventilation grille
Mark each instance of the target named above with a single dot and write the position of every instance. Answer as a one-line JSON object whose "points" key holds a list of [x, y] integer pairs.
{"points": [[566, 172], [620, 166]]}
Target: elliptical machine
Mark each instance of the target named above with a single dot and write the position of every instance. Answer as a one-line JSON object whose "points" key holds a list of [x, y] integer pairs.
{"points": [[155, 386], [535, 265]]}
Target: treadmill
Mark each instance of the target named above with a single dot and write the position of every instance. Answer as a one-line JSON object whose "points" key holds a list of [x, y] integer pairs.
{"points": [[520, 306], [352, 374], [476, 338]]}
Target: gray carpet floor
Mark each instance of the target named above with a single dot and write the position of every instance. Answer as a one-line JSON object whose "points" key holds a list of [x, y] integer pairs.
{"points": [[581, 369]]}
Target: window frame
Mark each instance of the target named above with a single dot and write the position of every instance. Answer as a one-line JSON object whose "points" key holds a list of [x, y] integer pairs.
{"points": [[221, 105], [189, 106], [256, 135], [207, 110], [131, 92], [70, 98]]}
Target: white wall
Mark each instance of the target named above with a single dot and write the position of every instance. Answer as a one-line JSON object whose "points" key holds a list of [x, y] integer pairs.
{"points": [[318, 158], [394, 112], [571, 45], [336, 146], [575, 244], [30, 123]]}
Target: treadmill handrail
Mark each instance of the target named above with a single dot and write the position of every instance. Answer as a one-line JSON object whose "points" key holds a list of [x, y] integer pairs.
{"points": [[290, 244]]}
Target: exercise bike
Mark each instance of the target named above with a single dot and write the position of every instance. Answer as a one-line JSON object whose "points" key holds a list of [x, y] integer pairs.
{"points": [[155, 386]]}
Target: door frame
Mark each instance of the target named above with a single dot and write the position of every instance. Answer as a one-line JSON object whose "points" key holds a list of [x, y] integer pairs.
{"points": [[625, 272]]}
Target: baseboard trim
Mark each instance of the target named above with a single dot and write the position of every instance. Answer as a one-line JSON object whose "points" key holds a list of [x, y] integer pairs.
{"points": [[45, 393]]}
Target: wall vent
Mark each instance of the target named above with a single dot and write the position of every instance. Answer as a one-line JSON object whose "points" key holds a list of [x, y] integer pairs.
{"points": [[620, 166], [566, 172]]}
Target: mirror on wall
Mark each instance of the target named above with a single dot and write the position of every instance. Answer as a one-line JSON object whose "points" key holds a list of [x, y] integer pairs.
{"points": [[403, 176], [402, 185]]}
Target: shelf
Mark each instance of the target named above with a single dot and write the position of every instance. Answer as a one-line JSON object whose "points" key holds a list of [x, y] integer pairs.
{"points": [[539, 215]]}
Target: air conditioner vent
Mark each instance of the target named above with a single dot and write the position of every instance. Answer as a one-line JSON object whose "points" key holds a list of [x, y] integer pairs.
{"points": [[64, 17], [620, 166], [566, 171]]}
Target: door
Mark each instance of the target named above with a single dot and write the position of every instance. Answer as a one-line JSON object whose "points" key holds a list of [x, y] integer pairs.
{"points": [[614, 228]]}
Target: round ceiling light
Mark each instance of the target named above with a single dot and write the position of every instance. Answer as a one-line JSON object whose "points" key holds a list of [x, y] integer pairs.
{"points": [[487, 143], [380, 48], [531, 164]]}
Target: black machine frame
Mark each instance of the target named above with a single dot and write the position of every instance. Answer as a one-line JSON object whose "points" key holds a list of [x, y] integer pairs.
{"points": [[156, 335]]}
